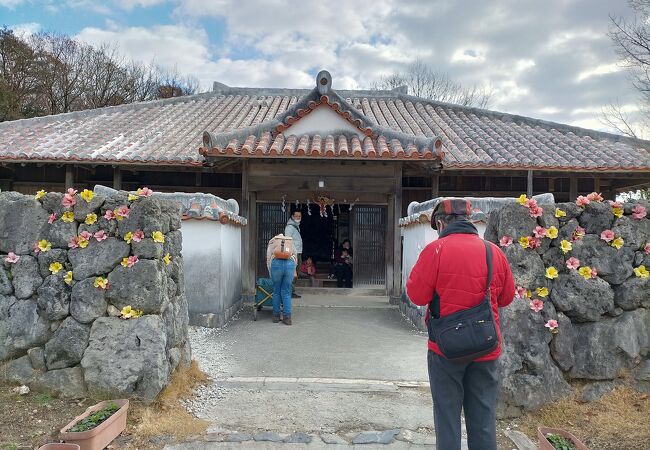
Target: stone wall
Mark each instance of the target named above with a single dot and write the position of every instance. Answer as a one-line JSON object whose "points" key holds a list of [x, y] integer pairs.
{"points": [[590, 321], [70, 267]]}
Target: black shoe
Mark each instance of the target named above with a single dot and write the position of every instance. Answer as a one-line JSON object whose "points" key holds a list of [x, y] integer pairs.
{"points": [[294, 295], [276, 319]]}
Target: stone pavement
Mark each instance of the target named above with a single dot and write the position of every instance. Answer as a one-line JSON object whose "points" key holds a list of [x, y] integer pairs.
{"points": [[349, 372]]}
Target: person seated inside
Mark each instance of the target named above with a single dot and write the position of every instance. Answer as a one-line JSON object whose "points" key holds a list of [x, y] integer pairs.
{"points": [[308, 271], [343, 268]]}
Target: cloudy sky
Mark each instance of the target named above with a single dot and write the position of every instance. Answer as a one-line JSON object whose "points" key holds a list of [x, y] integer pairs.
{"points": [[549, 59]]}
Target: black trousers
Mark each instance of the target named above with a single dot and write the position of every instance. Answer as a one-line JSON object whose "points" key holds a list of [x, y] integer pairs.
{"points": [[471, 387], [343, 274]]}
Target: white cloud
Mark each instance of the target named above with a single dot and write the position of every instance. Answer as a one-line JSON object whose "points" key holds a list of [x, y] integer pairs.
{"points": [[11, 4], [468, 55], [26, 29], [130, 4], [602, 69]]}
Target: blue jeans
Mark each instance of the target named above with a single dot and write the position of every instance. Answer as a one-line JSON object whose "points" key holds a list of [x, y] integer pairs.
{"points": [[282, 271]]}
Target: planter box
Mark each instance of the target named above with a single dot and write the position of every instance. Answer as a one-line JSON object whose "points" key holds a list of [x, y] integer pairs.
{"points": [[103, 434], [59, 447], [544, 444]]}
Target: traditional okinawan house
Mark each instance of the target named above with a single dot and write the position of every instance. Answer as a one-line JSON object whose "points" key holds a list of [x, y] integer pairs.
{"points": [[351, 161]]}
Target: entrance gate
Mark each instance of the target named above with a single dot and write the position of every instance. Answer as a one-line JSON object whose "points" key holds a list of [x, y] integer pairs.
{"points": [[271, 222], [369, 245]]}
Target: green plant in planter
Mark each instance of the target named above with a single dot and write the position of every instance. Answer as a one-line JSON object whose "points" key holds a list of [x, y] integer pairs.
{"points": [[560, 442], [95, 419]]}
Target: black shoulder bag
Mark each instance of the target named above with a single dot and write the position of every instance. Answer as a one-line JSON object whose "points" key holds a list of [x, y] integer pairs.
{"points": [[469, 334]]}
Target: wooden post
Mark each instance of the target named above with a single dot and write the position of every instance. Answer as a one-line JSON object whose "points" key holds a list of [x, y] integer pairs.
{"points": [[551, 185], [529, 186], [197, 179], [117, 178], [397, 237], [435, 185], [248, 288], [573, 188], [390, 250], [69, 176], [597, 184]]}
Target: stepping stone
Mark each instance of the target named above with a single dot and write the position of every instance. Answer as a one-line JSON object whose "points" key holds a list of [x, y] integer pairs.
{"points": [[268, 436], [522, 441], [298, 438], [238, 437], [376, 437], [416, 438], [333, 439]]}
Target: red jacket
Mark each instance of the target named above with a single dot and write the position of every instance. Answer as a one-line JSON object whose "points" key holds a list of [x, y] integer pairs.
{"points": [[454, 266]]}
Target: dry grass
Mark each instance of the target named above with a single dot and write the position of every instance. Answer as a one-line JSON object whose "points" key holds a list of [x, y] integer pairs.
{"points": [[167, 416], [617, 421]]}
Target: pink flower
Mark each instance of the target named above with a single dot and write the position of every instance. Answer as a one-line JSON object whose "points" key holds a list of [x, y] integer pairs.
{"points": [[594, 273], [505, 241], [122, 211], [595, 197], [530, 203], [573, 263], [36, 249], [578, 233], [132, 261], [68, 201], [536, 212], [12, 258], [551, 324], [582, 201], [74, 242], [639, 212], [86, 235], [536, 305], [521, 292], [614, 204], [539, 232], [646, 248], [138, 236], [534, 243], [52, 218], [145, 192], [109, 214], [607, 235], [100, 235]]}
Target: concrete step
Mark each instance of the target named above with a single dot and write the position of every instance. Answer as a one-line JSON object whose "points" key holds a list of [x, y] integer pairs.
{"points": [[363, 292]]}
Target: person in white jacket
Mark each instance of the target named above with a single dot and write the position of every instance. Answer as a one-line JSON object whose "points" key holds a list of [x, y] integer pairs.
{"points": [[281, 260]]}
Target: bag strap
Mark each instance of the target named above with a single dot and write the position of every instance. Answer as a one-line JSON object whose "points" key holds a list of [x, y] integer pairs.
{"points": [[434, 306]]}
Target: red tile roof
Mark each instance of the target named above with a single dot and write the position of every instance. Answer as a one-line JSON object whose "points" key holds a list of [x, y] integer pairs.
{"points": [[169, 132]]}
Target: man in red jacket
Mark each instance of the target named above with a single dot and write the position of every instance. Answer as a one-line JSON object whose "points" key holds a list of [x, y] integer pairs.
{"points": [[454, 267]]}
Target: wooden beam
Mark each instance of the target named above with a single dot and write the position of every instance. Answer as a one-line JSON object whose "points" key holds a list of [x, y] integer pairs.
{"points": [[284, 183], [117, 178], [69, 176], [529, 184], [435, 185], [573, 187], [397, 238]]}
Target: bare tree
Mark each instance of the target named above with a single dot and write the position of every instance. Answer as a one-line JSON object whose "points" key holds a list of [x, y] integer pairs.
{"points": [[173, 84], [614, 117], [423, 81]]}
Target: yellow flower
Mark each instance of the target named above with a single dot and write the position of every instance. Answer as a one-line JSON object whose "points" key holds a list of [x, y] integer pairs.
{"points": [[68, 217], [55, 267], [618, 212], [118, 216], [91, 218], [542, 291], [617, 243], [559, 213], [137, 313], [40, 194], [566, 246], [551, 273], [87, 195], [585, 272], [101, 282], [83, 243], [133, 197], [551, 232], [127, 312], [522, 199], [158, 237], [523, 241], [167, 258], [128, 236], [641, 272], [68, 277], [44, 245], [125, 262]]}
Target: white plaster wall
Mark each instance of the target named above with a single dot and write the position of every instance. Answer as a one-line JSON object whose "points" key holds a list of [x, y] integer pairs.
{"points": [[212, 266], [322, 121]]}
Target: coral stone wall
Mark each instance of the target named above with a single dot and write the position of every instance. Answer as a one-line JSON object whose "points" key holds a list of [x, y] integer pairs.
{"points": [[582, 311], [91, 293]]}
